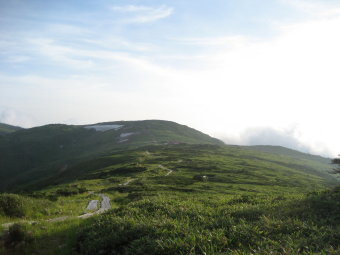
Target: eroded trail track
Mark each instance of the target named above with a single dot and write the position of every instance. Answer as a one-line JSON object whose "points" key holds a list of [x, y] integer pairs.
{"points": [[92, 205], [167, 169], [104, 206], [127, 183]]}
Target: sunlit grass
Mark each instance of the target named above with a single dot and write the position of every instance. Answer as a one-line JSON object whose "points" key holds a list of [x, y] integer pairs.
{"points": [[248, 203]]}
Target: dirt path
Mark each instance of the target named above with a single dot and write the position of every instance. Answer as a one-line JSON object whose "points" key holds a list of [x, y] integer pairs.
{"points": [[7, 225], [127, 183], [58, 219], [167, 169], [105, 205], [93, 205]]}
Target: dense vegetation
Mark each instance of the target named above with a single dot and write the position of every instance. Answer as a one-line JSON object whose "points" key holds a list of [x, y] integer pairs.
{"points": [[206, 224], [180, 198], [6, 129], [34, 154]]}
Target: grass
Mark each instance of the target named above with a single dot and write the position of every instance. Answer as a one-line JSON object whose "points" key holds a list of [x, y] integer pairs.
{"points": [[30, 156], [187, 224], [47, 238], [249, 202]]}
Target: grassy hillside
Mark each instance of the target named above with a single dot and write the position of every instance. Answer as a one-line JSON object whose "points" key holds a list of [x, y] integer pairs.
{"points": [[187, 199], [279, 150], [6, 129], [221, 165], [31, 154], [173, 190]]}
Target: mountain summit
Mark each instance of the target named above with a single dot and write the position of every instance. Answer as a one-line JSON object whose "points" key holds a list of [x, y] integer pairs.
{"points": [[5, 128], [38, 152]]}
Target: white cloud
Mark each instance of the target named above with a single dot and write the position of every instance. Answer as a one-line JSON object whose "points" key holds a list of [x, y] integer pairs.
{"points": [[246, 83], [68, 29], [114, 42], [94, 59], [131, 8], [315, 7], [59, 53], [18, 59], [276, 82], [13, 117], [144, 14], [286, 137], [290, 78], [230, 41]]}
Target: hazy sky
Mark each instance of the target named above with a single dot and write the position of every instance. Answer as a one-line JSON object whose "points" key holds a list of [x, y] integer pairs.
{"points": [[247, 71]]}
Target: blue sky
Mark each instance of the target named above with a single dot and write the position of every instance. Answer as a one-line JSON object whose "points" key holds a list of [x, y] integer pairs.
{"points": [[241, 70]]}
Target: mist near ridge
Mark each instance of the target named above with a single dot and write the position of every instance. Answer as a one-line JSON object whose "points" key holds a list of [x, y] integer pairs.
{"points": [[275, 137], [250, 136]]}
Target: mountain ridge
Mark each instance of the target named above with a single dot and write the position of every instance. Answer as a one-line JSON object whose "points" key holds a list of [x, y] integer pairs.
{"points": [[6, 128], [47, 149], [169, 186]]}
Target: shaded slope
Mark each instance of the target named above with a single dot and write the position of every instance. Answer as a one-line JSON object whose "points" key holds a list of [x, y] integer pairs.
{"points": [[279, 150], [223, 166], [32, 154], [6, 129], [217, 200], [303, 161]]}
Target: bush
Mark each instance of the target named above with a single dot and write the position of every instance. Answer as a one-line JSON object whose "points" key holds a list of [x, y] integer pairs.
{"points": [[202, 178], [71, 190], [12, 205], [17, 234]]}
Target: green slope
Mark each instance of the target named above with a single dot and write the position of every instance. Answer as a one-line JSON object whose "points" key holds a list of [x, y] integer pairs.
{"points": [[223, 165], [279, 150], [302, 161], [172, 193], [32, 154], [6, 129], [188, 199]]}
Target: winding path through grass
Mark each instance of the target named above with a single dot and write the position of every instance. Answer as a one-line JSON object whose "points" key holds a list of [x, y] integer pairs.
{"points": [[167, 169], [105, 205], [92, 205]]}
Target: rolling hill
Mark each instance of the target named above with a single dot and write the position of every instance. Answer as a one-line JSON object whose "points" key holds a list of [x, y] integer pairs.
{"points": [[173, 190], [6, 129], [32, 154], [62, 152]]}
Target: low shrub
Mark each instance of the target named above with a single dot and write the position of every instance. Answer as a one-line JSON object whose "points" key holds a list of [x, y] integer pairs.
{"points": [[17, 234], [71, 190], [12, 205]]}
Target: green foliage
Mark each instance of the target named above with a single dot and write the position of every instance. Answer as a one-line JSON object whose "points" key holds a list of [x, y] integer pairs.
{"points": [[336, 161], [174, 198], [34, 155], [20, 206], [323, 207], [12, 205], [17, 234], [205, 225], [71, 190], [6, 129]]}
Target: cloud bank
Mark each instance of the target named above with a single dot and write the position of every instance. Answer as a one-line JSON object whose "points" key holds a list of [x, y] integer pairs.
{"points": [[219, 82], [289, 138], [143, 14]]}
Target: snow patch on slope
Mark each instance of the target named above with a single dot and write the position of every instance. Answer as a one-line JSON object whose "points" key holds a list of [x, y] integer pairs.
{"points": [[123, 135], [103, 128]]}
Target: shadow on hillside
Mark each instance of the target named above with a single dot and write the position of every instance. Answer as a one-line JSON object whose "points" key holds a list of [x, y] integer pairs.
{"points": [[323, 208], [42, 238]]}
